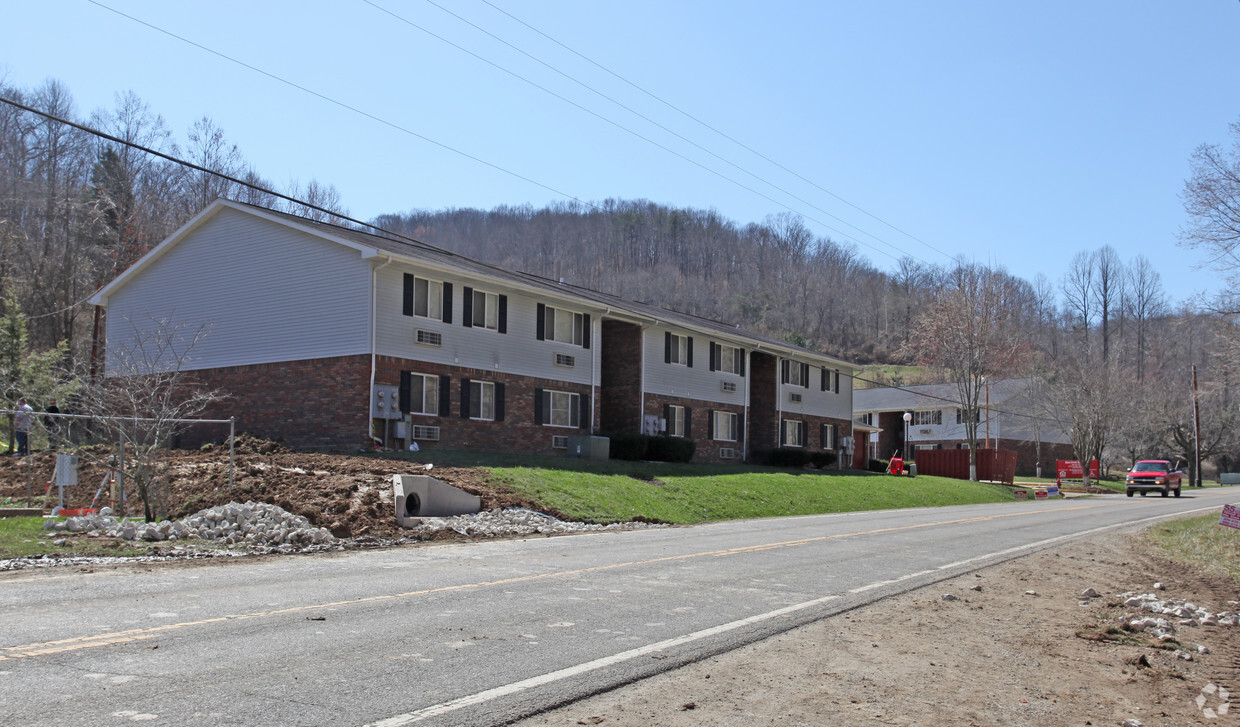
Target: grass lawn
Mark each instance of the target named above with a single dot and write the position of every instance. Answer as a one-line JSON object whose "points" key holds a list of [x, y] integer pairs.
{"points": [[23, 536], [1200, 541]]}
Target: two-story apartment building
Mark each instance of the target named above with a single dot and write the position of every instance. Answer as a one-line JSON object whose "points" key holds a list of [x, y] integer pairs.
{"points": [[332, 338], [1008, 419]]}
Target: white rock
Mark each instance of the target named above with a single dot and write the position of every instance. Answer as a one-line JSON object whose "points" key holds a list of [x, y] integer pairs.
{"points": [[948, 597], [1089, 593]]}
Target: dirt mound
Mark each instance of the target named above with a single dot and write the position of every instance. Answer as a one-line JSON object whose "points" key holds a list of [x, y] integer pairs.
{"points": [[350, 495]]}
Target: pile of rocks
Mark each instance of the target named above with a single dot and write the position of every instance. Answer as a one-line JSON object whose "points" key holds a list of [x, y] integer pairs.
{"points": [[513, 521], [254, 524], [1185, 613]]}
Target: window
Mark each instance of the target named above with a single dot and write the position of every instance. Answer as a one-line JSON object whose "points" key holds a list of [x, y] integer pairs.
{"points": [[795, 373], [794, 433], [921, 418], [867, 418], [558, 408], [724, 428], [429, 338], [728, 359], [977, 416], [485, 310], [678, 349], [828, 436], [482, 400], [427, 298], [556, 324], [423, 394], [675, 421], [563, 359]]}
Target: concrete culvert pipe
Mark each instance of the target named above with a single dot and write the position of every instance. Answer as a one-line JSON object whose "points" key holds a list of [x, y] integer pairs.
{"points": [[419, 496]]}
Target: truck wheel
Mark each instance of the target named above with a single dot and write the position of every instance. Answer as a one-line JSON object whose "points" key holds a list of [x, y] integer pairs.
{"points": [[1130, 493], [1177, 492], [1164, 493], [1142, 493]]}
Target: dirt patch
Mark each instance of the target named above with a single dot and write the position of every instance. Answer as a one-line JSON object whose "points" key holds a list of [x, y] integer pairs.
{"points": [[997, 655], [350, 495]]}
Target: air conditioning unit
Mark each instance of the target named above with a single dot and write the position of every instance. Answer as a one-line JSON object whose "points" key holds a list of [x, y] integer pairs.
{"points": [[794, 398], [728, 387], [559, 442], [563, 359], [727, 453], [429, 338], [425, 433]]}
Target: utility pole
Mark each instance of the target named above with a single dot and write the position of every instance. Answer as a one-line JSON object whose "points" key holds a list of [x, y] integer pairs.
{"points": [[1196, 433]]}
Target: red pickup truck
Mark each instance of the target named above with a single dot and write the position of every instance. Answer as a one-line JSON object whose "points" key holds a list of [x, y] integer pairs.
{"points": [[1153, 475]]}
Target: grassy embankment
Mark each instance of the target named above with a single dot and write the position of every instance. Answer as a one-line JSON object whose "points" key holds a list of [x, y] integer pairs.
{"points": [[1201, 542]]}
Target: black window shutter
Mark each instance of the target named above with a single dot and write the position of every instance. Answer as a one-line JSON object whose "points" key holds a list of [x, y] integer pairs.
{"points": [[805, 375], [406, 388], [445, 395], [584, 420], [541, 324], [467, 307], [783, 432], [447, 302], [741, 352], [837, 381], [688, 420], [667, 347], [804, 427], [710, 424], [822, 437], [714, 356], [464, 398], [499, 402], [667, 417], [538, 400], [407, 308], [585, 330], [503, 314], [689, 348], [740, 426]]}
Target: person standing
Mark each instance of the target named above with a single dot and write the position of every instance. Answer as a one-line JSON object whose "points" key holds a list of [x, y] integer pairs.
{"points": [[21, 422], [52, 422]]}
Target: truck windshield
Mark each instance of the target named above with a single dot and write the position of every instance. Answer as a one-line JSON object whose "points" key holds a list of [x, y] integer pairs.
{"points": [[1152, 467]]}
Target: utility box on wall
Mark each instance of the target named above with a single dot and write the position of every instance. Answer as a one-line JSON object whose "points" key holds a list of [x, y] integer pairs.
{"points": [[589, 447]]}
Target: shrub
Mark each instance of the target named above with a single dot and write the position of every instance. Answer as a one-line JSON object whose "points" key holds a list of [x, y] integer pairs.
{"points": [[785, 457], [670, 449], [879, 465], [822, 460], [629, 446]]}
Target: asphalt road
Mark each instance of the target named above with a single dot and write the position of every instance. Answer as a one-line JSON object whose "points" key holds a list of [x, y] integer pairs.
{"points": [[480, 633]]}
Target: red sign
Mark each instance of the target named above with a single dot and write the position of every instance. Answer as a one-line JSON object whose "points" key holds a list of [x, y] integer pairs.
{"points": [[1070, 469], [1231, 517], [1040, 495], [1020, 494]]}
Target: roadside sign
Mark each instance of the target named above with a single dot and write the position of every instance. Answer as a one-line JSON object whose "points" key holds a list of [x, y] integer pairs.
{"points": [[1040, 495], [1231, 517], [1053, 491], [1020, 494], [1070, 469]]}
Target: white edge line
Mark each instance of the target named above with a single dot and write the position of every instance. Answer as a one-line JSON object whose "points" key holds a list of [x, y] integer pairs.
{"points": [[515, 687]]}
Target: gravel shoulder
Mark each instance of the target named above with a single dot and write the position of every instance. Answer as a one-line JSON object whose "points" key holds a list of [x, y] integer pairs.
{"points": [[1016, 647]]}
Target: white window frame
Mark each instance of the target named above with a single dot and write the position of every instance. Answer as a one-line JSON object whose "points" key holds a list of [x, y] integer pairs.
{"points": [[427, 298], [725, 426], [794, 374], [927, 417], [730, 365], [565, 404], [792, 433], [675, 421], [563, 326], [833, 436], [960, 416], [485, 310], [680, 350], [482, 400], [428, 405]]}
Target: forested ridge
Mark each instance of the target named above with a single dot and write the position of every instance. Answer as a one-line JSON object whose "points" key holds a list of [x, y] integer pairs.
{"points": [[75, 210]]}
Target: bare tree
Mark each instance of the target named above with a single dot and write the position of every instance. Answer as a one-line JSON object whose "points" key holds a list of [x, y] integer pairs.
{"points": [[145, 400], [1087, 397], [974, 332], [1211, 196]]}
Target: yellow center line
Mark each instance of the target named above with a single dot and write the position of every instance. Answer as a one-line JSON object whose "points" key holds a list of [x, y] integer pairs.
{"points": [[119, 637]]}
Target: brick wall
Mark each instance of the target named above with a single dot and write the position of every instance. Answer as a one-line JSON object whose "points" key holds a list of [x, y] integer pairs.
{"points": [[699, 425], [518, 432], [763, 401], [813, 431], [620, 378]]}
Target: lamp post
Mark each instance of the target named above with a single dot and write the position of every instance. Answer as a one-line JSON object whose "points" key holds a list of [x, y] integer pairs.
{"points": [[907, 418]]}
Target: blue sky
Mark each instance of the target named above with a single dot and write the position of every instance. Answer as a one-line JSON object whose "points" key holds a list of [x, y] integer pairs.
{"points": [[1010, 133]]}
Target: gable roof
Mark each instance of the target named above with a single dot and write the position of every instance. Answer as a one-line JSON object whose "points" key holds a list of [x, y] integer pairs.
{"points": [[389, 245], [930, 396]]}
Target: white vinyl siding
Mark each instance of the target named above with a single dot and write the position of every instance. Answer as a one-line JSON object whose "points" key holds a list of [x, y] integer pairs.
{"points": [[257, 291]]}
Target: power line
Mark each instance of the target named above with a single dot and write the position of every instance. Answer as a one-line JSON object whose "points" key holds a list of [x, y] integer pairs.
{"points": [[636, 113], [706, 125]]}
